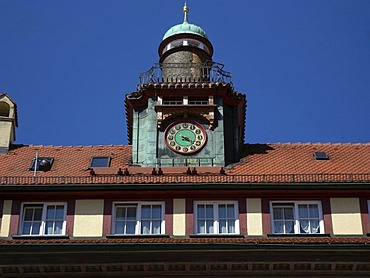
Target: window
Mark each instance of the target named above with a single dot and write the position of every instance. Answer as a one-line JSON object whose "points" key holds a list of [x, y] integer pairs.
{"points": [[4, 109], [320, 156], [297, 218], [42, 164], [216, 218], [100, 161], [138, 218], [43, 219], [198, 102], [172, 102]]}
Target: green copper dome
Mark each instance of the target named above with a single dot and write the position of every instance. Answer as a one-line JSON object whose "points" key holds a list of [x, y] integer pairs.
{"points": [[185, 28]]}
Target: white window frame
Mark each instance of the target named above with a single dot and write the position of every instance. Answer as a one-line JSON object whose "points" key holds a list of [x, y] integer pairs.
{"points": [[138, 216], [43, 218], [295, 216], [216, 217]]}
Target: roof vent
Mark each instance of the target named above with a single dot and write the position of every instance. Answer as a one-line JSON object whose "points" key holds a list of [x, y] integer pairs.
{"points": [[43, 164], [321, 156]]}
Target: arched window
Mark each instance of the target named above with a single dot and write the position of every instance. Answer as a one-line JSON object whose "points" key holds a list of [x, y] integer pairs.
{"points": [[4, 109]]}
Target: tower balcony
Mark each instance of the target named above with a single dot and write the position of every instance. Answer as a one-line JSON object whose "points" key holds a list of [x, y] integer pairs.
{"points": [[210, 72]]}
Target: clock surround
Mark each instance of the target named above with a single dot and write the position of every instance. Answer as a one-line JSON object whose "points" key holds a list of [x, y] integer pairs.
{"points": [[185, 137]]}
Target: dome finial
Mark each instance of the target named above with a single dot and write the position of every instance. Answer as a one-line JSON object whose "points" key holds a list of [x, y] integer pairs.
{"points": [[185, 10]]}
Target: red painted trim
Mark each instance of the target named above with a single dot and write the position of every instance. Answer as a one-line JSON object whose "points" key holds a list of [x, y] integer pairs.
{"points": [[107, 217], [266, 220], [14, 218], [364, 216], [1, 212], [189, 218], [326, 213], [242, 216], [70, 217], [168, 217]]}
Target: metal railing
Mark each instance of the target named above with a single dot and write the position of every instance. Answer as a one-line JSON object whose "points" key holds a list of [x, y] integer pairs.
{"points": [[185, 72], [185, 178], [189, 162]]}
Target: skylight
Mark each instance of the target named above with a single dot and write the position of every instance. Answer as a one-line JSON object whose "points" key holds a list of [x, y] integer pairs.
{"points": [[100, 161], [42, 164], [321, 156]]}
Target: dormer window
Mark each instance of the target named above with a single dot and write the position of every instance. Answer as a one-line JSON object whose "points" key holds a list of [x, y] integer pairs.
{"points": [[100, 161], [42, 164]]}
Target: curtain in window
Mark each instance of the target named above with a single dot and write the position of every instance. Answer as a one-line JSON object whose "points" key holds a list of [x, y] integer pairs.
{"points": [[283, 219], [226, 215], [125, 220], [151, 218], [309, 218], [205, 219], [54, 220], [32, 219]]}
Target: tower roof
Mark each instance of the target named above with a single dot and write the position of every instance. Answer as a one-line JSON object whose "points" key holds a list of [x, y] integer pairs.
{"points": [[185, 28]]}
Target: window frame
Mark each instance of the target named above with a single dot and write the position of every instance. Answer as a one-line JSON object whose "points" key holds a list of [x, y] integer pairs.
{"points": [[216, 217], [138, 225], [296, 217], [42, 229]]}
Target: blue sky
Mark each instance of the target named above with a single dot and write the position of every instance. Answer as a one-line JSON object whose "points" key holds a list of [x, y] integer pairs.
{"points": [[303, 64]]}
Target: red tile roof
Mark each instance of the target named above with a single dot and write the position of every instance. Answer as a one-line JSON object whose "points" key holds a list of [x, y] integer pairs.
{"points": [[259, 163], [68, 161]]}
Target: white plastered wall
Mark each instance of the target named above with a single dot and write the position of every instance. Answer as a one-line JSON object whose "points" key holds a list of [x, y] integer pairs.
{"points": [[88, 221], [346, 216], [179, 217], [5, 221], [254, 217]]}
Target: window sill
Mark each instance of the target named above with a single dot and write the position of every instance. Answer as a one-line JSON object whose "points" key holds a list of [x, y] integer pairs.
{"points": [[40, 237], [138, 236], [298, 235], [217, 235]]}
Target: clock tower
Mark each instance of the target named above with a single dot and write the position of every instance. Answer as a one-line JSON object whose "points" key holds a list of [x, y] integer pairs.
{"points": [[185, 111]]}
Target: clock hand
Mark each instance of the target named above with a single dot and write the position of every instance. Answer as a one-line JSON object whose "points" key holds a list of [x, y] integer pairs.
{"points": [[186, 138]]}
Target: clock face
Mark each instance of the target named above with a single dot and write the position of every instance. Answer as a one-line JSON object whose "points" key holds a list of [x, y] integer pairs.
{"points": [[185, 137]]}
